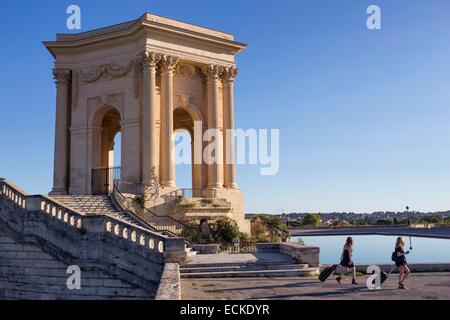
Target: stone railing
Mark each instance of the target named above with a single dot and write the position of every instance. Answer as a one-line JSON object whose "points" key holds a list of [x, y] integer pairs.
{"points": [[13, 193], [128, 251], [170, 286], [301, 254], [53, 209], [190, 194], [160, 223]]}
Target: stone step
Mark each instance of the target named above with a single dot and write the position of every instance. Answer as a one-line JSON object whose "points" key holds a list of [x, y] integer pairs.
{"points": [[279, 273], [95, 205], [253, 263], [249, 267]]}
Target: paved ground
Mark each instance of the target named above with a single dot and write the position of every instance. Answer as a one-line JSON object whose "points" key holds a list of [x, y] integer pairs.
{"points": [[441, 233], [420, 286], [239, 258]]}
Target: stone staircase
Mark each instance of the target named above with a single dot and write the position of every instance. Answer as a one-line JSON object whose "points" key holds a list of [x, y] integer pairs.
{"points": [[247, 270], [103, 205], [96, 205], [42, 236]]}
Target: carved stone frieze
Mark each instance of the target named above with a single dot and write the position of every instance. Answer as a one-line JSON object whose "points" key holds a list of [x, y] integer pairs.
{"points": [[188, 72], [184, 100], [111, 70]]}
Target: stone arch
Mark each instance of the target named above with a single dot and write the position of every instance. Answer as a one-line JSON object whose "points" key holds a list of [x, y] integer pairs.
{"points": [[104, 125], [185, 115]]}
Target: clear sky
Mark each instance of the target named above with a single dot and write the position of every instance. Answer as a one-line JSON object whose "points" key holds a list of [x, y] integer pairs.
{"points": [[364, 116]]}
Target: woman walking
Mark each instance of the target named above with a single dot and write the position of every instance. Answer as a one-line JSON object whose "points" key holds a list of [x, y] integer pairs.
{"points": [[401, 263], [347, 262]]}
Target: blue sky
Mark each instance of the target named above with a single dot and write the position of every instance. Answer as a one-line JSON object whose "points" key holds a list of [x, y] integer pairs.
{"points": [[363, 115]]}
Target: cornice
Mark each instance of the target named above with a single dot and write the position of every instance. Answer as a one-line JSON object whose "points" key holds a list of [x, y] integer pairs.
{"points": [[124, 31]]}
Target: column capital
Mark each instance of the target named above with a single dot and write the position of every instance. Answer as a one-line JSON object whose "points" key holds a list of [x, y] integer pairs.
{"points": [[229, 75], [212, 72], [168, 63], [62, 76], [149, 60]]}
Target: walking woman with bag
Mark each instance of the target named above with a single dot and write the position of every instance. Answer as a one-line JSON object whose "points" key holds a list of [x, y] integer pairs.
{"points": [[399, 256], [347, 262]]}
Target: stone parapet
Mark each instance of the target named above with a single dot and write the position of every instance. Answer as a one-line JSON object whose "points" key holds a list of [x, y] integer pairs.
{"points": [[301, 254], [207, 248], [309, 255], [131, 253], [414, 267], [170, 286]]}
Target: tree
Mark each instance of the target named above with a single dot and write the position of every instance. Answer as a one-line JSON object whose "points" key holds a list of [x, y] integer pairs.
{"points": [[226, 230], [436, 219], [312, 220], [269, 229]]}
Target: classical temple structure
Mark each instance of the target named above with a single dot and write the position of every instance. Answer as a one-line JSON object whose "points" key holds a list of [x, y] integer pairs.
{"points": [[146, 79]]}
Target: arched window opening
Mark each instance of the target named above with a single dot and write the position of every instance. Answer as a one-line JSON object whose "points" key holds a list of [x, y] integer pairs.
{"points": [[183, 158]]}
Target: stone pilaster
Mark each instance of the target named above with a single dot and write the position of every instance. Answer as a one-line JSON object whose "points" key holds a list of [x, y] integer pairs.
{"points": [[167, 160], [215, 172], [228, 77], [62, 134], [149, 157]]}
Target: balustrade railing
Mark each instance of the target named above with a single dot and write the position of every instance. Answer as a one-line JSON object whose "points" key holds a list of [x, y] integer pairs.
{"points": [[240, 247], [115, 227], [139, 236], [161, 223], [41, 203], [13, 194], [192, 193]]}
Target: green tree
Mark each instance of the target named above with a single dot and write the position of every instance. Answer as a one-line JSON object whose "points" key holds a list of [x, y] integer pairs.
{"points": [[436, 219], [269, 229], [312, 220], [226, 231]]}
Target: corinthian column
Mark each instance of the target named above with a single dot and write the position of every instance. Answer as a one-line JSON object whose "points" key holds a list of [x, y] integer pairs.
{"points": [[60, 175], [228, 78], [167, 160], [149, 61], [215, 173]]}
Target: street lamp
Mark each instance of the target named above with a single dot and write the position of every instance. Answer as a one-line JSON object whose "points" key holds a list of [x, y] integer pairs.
{"points": [[407, 215]]}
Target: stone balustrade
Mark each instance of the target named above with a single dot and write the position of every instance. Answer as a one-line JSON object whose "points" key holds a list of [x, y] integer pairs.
{"points": [[130, 252], [118, 229], [13, 194]]}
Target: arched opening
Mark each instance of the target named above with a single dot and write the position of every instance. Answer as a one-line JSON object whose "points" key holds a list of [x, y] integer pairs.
{"points": [[183, 158], [117, 150], [106, 150], [188, 174], [110, 129]]}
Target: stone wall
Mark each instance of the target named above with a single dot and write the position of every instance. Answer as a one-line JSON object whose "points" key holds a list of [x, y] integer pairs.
{"points": [[170, 285], [103, 247], [213, 248], [27, 272], [309, 255], [414, 267], [301, 254]]}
